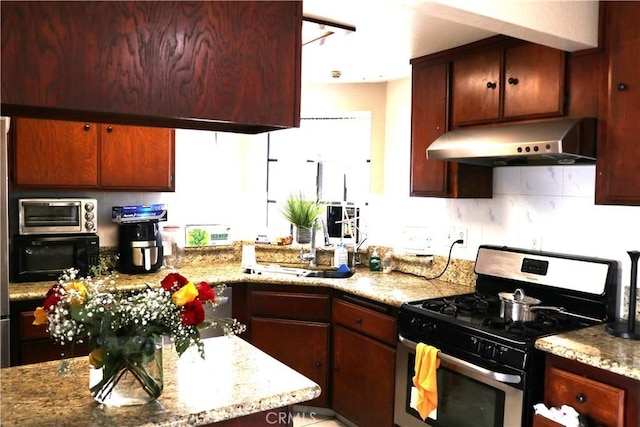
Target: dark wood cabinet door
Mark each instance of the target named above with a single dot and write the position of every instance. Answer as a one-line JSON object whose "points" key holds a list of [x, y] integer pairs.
{"points": [[428, 122], [137, 157], [475, 88], [219, 65], [437, 178], [618, 162], [363, 378], [304, 346], [533, 81], [49, 153]]}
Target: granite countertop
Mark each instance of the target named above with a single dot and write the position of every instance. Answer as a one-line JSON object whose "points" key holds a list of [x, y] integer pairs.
{"points": [[593, 346], [235, 379], [392, 288]]}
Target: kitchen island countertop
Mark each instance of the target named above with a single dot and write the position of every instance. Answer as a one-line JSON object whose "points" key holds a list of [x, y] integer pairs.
{"points": [[234, 380], [593, 346]]}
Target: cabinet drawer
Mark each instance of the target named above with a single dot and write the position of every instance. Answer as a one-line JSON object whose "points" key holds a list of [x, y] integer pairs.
{"points": [[540, 421], [369, 322], [290, 305], [601, 402], [29, 331]]}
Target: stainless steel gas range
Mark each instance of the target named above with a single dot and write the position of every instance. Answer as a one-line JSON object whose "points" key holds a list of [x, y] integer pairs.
{"points": [[490, 373]]}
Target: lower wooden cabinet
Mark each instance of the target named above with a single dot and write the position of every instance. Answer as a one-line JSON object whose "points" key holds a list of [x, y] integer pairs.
{"points": [[606, 398], [292, 325], [32, 344], [364, 354], [300, 345], [346, 345]]}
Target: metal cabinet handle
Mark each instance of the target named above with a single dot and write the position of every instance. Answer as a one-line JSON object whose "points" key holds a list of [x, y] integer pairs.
{"points": [[109, 129], [358, 320], [512, 81], [87, 126], [317, 364], [581, 398], [621, 86], [491, 85]]}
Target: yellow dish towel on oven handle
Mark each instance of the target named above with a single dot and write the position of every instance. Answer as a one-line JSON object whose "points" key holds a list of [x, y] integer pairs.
{"points": [[425, 379]]}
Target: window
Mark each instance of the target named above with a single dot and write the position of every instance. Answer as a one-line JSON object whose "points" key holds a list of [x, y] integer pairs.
{"points": [[327, 159]]}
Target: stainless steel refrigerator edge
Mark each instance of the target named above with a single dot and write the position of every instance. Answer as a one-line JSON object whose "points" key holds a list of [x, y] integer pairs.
{"points": [[4, 243]]}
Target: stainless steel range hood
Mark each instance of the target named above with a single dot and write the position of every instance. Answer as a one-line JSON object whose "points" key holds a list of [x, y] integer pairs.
{"points": [[563, 141]]}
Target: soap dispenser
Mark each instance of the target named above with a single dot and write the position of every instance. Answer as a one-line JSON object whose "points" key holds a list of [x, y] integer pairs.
{"points": [[374, 261]]}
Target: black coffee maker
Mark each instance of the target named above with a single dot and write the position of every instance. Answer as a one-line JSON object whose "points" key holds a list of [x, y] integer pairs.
{"points": [[139, 247]]}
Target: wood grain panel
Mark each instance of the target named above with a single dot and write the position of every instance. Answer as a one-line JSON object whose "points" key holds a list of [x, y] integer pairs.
{"points": [[51, 153], [301, 345], [538, 74], [601, 402], [472, 100], [136, 62], [617, 167], [137, 157], [376, 325], [363, 378]]}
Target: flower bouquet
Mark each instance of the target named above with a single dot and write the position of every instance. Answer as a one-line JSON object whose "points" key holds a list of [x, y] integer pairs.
{"points": [[124, 330]]}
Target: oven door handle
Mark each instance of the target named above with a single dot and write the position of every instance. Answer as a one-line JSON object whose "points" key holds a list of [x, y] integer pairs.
{"points": [[498, 376]]}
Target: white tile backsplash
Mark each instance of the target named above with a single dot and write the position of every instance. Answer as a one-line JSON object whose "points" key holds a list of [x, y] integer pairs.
{"points": [[541, 181]]}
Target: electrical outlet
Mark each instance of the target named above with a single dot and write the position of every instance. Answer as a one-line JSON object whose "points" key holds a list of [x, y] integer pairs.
{"points": [[461, 234], [457, 233], [536, 242]]}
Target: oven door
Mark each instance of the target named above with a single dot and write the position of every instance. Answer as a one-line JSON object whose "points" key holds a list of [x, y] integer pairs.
{"points": [[468, 395]]}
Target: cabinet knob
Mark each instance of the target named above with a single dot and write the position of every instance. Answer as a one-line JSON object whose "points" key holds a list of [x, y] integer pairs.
{"points": [[109, 129], [491, 85], [358, 320], [512, 81], [581, 398], [317, 364], [622, 86], [87, 126]]}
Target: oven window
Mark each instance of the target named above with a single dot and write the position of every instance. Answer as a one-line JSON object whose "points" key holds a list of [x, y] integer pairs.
{"points": [[38, 215], [48, 258], [462, 401]]}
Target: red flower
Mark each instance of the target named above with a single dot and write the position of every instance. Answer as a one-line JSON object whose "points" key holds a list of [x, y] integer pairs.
{"points": [[173, 282], [192, 313], [205, 292], [53, 296]]}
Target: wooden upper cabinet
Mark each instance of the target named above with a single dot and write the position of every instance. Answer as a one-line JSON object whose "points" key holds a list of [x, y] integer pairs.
{"points": [[428, 122], [137, 157], [511, 82], [476, 88], [438, 178], [50, 153], [618, 162], [533, 81], [79, 155], [217, 65]]}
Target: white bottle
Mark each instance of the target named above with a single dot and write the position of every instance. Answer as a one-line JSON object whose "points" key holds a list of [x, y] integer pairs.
{"points": [[340, 256], [387, 263]]}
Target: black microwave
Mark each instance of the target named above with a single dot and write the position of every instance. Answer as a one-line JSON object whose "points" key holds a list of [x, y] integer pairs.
{"points": [[44, 257]]}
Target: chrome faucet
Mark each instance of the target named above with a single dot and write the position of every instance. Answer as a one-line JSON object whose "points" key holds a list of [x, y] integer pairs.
{"points": [[311, 255]]}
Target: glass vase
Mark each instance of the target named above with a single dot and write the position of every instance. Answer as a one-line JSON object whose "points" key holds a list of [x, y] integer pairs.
{"points": [[128, 371]]}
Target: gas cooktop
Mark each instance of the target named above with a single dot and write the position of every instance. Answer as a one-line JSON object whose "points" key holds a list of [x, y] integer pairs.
{"points": [[580, 291], [482, 313]]}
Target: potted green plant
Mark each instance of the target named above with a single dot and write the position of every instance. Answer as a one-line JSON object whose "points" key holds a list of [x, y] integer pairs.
{"points": [[301, 212]]}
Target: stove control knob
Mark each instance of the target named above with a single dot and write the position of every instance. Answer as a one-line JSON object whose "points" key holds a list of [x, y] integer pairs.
{"points": [[490, 350]]}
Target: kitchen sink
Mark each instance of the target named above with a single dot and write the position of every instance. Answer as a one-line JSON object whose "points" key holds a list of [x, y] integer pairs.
{"points": [[283, 271]]}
